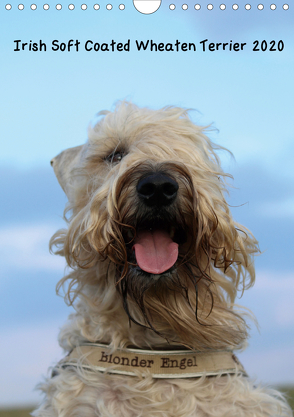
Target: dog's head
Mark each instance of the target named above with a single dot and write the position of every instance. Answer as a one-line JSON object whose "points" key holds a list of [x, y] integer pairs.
{"points": [[146, 195]]}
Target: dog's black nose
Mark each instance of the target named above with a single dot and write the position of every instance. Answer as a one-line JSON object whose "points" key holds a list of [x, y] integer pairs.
{"points": [[157, 189]]}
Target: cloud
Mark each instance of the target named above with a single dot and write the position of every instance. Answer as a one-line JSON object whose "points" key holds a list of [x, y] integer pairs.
{"points": [[257, 183], [26, 247], [237, 25], [25, 356], [29, 274], [278, 209], [268, 355], [276, 289], [265, 190], [275, 281], [270, 366], [261, 201], [271, 302], [30, 196]]}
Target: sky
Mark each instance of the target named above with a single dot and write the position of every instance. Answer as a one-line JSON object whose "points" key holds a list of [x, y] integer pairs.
{"points": [[47, 100]]}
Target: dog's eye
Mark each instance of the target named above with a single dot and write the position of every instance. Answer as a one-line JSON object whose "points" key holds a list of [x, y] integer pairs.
{"points": [[115, 157]]}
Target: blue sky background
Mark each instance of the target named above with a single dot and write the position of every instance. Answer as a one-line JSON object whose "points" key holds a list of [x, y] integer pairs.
{"points": [[47, 100]]}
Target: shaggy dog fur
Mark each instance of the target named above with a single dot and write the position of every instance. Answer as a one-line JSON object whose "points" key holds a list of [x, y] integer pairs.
{"points": [[119, 303]]}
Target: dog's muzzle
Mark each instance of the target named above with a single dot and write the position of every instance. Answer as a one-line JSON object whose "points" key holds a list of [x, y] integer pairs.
{"points": [[155, 250]]}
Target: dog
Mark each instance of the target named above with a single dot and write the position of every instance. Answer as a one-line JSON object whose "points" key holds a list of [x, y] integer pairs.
{"points": [[155, 262]]}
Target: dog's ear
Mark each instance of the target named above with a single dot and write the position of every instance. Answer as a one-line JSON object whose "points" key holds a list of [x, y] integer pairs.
{"points": [[63, 164]]}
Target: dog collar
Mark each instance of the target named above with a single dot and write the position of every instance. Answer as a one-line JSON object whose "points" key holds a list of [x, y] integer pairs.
{"points": [[158, 364]]}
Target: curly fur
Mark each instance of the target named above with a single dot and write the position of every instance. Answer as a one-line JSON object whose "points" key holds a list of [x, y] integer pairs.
{"points": [[191, 305]]}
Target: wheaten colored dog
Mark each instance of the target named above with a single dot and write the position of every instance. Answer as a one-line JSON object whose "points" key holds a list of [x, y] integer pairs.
{"points": [[156, 262]]}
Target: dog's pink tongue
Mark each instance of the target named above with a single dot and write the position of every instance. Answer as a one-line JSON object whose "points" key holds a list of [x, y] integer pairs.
{"points": [[155, 251]]}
